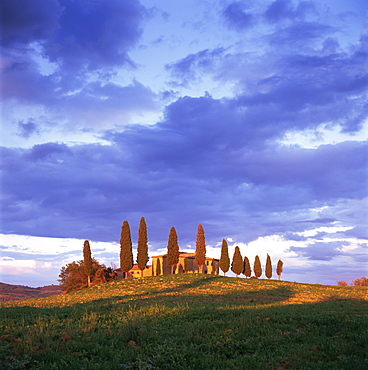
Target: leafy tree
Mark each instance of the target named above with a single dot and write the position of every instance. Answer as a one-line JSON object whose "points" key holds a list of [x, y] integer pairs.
{"points": [[200, 252], [73, 276], [246, 269], [257, 267], [268, 267], [158, 267], [360, 282], [87, 258], [279, 268], [342, 283], [142, 250], [126, 253], [237, 264], [172, 249], [224, 259]]}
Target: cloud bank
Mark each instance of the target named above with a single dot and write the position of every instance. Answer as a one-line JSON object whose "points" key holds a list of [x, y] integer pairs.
{"points": [[116, 110]]}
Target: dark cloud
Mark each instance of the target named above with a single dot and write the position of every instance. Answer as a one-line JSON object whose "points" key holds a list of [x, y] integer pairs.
{"points": [[236, 17], [199, 165], [79, 34], [9, 254], [321, 251], [74, 39], [294, 237], [299, 34], [27, 129], [26, 21], [193, 64], [280, 10], [324, 220], [304, 83], [99, 105], [359, 232]]}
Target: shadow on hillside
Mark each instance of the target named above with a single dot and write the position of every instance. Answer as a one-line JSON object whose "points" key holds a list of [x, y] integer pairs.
{"points": [[198, 293], [329, 334]]}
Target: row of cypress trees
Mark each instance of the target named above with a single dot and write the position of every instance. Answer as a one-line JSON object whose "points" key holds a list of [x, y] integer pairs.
{"points": [[242, 266], [126, 253], [238, 265]]}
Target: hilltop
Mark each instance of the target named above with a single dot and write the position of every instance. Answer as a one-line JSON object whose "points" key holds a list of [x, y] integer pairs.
{"points": [[189, 321]]}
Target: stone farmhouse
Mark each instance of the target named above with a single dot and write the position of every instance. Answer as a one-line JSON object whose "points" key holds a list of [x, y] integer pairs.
{"points": [[186, 264]]}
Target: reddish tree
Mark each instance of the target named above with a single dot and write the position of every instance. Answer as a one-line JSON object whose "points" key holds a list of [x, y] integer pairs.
{"points": [[172, 249], [279, 268], [142, 250], [224, 258], [200, 252], [246, 268], [126, 253], [87, 258], [237, 264], [268, 267], [257, 267]]}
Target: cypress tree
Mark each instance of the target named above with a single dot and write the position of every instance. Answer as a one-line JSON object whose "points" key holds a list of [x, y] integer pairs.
{"points": [[87, 261], [172, 249], [213, 267], [247, 270], [257, 267], [158, 267], [200, 252], [186, 264], [142, 250], [224, 259], [268, 267], [126, 253], [237, 264], [279, 268]]}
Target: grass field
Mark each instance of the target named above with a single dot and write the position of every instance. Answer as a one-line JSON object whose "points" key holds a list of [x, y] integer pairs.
{"points": [[189, 321]]}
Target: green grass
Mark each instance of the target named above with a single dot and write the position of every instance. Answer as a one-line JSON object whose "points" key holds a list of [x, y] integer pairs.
{"points": [[189, 321]]}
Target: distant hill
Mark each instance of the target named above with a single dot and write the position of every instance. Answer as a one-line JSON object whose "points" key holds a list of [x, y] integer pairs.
{"points": [[10, 292]]}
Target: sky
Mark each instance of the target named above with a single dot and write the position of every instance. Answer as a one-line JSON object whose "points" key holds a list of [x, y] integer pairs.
{"points": [[248, 117]]}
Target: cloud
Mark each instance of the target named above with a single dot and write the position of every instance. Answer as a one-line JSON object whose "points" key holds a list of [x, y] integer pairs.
{"points": [[322, 251], [77, 34], [299, 35], [236, 17], [281, 10], [62, 58], [24, 22], [27, 129], [190, 67], [170, 166]]}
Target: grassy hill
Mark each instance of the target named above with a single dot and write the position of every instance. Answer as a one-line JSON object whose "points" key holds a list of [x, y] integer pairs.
{"points": [[9, 292], [189, 321]]}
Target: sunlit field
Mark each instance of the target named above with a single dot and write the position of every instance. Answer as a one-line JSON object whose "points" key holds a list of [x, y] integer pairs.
{"points": [[189, 321]]}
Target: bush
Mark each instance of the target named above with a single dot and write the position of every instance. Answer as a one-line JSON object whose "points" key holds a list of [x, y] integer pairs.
{"points": [[73, 276], [360, 282], [342, 283]]}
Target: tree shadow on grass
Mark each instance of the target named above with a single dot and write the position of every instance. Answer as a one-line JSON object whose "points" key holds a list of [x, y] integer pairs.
{"points": [[197, 323], [205, 290], [332, 333]]}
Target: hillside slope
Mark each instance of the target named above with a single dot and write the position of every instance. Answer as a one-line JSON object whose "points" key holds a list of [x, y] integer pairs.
{"points": [[189, 321], [9, 292]]}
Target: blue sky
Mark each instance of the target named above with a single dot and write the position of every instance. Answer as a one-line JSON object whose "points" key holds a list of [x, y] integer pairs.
{"points": [[249, 117]]}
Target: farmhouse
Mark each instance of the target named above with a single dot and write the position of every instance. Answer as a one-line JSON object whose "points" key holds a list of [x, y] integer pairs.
{"points": [[186, 264]]}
